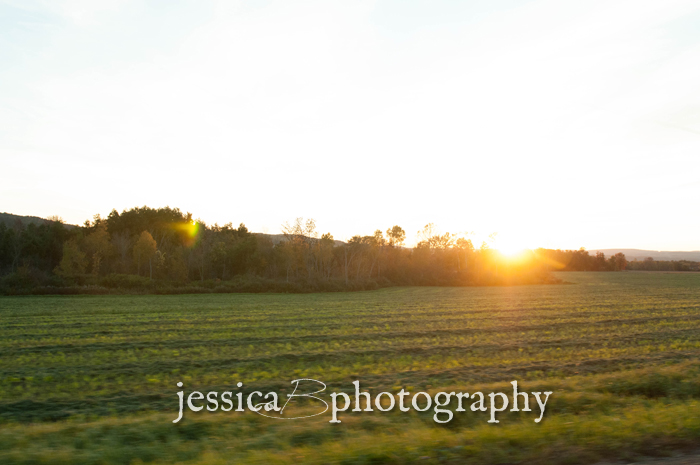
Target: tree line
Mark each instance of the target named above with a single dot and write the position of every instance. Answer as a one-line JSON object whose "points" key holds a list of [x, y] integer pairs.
{"points": [[649, 264], [582, 260], [147, 247]]}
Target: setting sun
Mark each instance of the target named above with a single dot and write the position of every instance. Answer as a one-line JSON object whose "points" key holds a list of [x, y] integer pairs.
{"points": [[508, 247]]}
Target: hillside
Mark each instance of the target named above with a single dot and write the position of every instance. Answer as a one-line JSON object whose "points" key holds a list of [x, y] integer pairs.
{"points": [[639, 254], [9, 220]]}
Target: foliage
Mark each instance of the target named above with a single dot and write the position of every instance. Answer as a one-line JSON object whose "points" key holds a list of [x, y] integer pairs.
{"points": [[649, 264], [73, 262], [180, 254], [581, 260]]}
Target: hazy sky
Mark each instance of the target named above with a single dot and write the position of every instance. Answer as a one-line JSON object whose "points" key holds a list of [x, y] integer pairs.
{"points": [[557, 124]]}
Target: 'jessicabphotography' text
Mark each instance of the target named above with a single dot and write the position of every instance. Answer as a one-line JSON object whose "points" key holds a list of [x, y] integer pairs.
{"points": [[445, 405]]}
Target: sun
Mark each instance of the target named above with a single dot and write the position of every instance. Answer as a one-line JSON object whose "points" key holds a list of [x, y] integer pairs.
{"points": [[509, 248]]}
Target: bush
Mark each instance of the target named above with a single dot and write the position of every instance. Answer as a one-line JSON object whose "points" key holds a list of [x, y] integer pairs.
{"points": [[125, 281], [28, 278]]}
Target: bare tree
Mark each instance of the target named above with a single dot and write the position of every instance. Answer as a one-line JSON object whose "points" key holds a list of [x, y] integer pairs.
{"points": [[300, 236]]}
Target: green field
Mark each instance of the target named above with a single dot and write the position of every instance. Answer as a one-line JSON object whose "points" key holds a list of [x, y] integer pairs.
{"points": [[92, 379]]}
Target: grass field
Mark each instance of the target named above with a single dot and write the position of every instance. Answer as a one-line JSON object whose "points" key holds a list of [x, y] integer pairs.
{"points": [[92, 379]]}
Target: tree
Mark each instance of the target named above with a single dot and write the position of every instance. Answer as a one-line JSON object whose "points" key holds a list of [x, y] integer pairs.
{"points": [[17, 242], [648, 264], [358, 247], [202, 246], [424, 235], [325, 255], [430, 237], [300, 237], [121, 241], [145, 250], [395, 236], [464, 248], [618, 262], [377, 248], [599, 262], [98, 245], [73, 262]]}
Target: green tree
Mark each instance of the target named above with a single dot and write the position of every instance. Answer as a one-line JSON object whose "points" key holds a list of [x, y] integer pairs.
{"points": [[98, 246], [73, 262], [144, 250]]}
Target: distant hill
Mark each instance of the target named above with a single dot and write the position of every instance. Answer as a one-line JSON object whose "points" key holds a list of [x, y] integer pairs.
{"points": [[277, 238], [637, 254], [9, 220]]}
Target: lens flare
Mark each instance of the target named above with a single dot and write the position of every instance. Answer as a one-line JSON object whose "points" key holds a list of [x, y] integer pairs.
{"points": [[190, 230]]}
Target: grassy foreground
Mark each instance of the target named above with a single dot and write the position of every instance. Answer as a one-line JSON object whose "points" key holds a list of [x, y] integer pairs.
{"points": [[92, 379]]}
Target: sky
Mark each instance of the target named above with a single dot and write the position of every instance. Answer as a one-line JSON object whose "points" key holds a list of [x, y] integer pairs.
{"points": [[555, 124]]}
